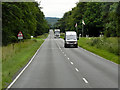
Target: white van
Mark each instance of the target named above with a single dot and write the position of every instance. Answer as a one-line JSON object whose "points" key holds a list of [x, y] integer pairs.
{"points": [[57, 33], [70, 39]]}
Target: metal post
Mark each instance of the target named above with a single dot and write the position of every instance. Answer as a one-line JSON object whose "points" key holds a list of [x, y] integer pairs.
{"points": [[77, 31], [20, 43], [82, 29]]}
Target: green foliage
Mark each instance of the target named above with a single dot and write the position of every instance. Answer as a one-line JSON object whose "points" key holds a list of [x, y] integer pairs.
{"points": [[108, 44], [105, 47], [13, 39], [62, 35], [26, 17], [99, 18], [110, 20]]}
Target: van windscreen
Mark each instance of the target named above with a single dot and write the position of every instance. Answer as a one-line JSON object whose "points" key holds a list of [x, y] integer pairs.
{"points": [[57, 32], [71, 37]]}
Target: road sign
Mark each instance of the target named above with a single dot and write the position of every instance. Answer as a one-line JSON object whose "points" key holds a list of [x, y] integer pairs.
{"points": [[20, 35]]}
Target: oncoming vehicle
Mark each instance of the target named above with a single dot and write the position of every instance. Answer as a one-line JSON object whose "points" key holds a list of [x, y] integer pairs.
{"points": [[70, 39], [57, 33]]}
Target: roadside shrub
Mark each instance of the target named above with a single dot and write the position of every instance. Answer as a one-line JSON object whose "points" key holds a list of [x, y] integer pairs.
{"points": [[109, 44], [14, 39]]}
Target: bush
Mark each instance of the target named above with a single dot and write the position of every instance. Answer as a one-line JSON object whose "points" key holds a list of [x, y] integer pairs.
{"points": [[13, 39], [109, 44]]}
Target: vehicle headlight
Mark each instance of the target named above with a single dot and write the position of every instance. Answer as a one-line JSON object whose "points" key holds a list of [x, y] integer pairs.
{"points": [[75, 42], [67, 42]]}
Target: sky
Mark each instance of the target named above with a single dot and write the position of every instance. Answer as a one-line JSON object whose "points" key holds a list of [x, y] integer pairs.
{"points": [[56, 8]]}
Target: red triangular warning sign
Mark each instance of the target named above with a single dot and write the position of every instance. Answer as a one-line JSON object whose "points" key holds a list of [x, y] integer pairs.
{"points": [[20, 34]]}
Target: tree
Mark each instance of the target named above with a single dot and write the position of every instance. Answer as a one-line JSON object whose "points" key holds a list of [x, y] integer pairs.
{"points": [[26, 17], [99, 18]]}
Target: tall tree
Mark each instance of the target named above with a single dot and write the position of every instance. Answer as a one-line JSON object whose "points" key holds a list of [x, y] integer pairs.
{"points": [[99, 18], [22, 16]]}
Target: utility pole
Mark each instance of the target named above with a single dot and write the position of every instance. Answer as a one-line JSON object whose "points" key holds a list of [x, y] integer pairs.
{"points": [[83, 23], [82, 29], [76, 29]]}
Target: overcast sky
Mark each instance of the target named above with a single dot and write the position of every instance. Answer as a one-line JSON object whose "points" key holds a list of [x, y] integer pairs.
{"points": [[57, 8]]}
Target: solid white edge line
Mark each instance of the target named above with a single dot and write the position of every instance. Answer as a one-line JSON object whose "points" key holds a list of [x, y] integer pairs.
{"points": [[76, 69], [24, 68], [85, 80], [96, 55]]}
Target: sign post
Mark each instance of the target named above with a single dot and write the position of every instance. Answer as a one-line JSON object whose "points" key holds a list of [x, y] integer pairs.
{"points": [[83, 23], [20, 36], [76, 28]]}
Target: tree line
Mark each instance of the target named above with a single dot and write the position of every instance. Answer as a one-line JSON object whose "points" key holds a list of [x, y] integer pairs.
{"points": [[99, 17], [26, 17]]}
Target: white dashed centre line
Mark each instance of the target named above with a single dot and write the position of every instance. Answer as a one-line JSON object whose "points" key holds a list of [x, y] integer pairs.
{"points": [[71, 63], [76, 69], [85, 80], [68, 58]]}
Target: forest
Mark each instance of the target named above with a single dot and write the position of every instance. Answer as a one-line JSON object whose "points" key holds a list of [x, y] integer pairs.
{"points": [[100, 18], [26, 17]]}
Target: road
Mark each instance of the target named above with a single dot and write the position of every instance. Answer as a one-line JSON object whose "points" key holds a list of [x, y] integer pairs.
{"points": [[57, 67]]}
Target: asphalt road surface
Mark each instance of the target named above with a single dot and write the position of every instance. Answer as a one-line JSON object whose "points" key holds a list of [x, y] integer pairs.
{"points": [[57, 67]]}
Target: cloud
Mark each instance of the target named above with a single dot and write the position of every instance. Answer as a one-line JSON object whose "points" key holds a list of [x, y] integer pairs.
{"points": [[57, 8]]}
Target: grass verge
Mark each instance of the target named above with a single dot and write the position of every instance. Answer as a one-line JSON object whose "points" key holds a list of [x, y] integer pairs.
{"points": [[62, 35], [106, 48], [17, 56]]}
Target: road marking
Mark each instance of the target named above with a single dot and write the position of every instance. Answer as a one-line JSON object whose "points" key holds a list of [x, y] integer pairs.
{"points": [[11, 84], [89, 52], [65, 54], [68, 58], [76, 69], [71, 63], [59, 48], [85, 80]]}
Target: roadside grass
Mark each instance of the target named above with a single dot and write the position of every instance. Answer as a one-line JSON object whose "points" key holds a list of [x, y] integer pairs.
{"points": [[62, 35], [104, 47], [15, 56]]}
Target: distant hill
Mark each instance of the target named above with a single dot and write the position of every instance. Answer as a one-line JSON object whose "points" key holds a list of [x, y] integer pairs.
{"points": [[52, 20]]}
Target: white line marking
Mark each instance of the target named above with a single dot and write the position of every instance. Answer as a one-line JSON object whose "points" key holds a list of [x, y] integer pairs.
{"points": [[71, 63], [85, 80], [24, 68], [76, 69], [68, 58], [97, 55]]}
